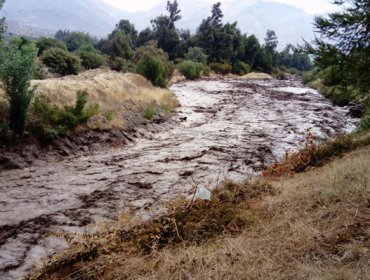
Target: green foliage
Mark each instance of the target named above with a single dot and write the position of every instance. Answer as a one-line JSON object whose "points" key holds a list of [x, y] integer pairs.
{"points": [[150, 50], [279, 75], [343, 45], [91, 60], [16, 72], [365, 122], [2, 21], [50, 122], [47, 43], [61, 61], [164, 31], [221, 68], [128, 29], [118, 44], [74, 40], [153, 69], [149, 113], [190, 69], [197, 55], [118, 64], [240, 68], [144, 37], [4, 116]]}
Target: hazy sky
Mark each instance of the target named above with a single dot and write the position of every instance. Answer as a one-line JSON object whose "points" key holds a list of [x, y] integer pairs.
{"points": [[310, 6]]}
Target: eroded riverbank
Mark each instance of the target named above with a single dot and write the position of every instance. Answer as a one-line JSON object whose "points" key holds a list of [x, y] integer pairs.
{"points": [[226, 129]]}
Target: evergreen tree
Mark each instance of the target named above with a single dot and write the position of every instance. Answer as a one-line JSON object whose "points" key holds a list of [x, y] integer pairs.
{"points": [[344, 44], [2, 21], [165, 31]]}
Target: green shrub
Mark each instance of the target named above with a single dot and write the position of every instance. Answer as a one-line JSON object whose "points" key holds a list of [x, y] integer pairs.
{"points": [[150, 50], [279, 75], [61, 61], [339, 95], [196, 55], [47, 43], [91, 60], [149, 113], [240, 68], [206, 71], [16, 72], [117, 64], [153, 69], [4, 116], [50, 122], [191, 70], [365, 122], [221, 68]]}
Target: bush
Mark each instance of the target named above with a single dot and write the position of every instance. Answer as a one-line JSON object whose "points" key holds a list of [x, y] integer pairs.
{"points": [[91, 60], [149, 113], [241, 68], [197, 55], [16, 72], [191, 70], [279, 75], [153, 69], [61, 61], [150, 50], [47, 43], [365, 122], [4, 116], [50, 122], [221, 68]]}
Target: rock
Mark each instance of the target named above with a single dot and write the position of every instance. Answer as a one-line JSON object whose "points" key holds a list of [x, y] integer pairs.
{"points": [[356, 110], [142, 185], [201, 194]]}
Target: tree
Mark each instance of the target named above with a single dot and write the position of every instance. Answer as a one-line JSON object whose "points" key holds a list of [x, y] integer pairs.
{"points": [[128, 29], [196, 55], [165, 31], [344, 44], [145, 36], [2, 21], [74, 40], [118, 44], [61, 61], [271, 41], [16, 71], [46, 43], [173, 9]]}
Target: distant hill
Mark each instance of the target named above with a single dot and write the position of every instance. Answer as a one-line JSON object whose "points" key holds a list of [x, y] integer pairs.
{"points": [[98, 18]]}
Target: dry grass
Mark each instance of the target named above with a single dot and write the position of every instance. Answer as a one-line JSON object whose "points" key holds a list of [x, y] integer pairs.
{"points": [[257, 76], [110, 89], [316, 225]]}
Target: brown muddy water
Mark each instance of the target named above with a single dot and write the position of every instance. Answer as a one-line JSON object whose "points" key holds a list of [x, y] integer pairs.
{"points": [[224, 129]]}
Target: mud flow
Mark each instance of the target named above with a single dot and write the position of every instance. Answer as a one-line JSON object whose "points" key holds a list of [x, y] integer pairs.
{"points": [[224, 129]]}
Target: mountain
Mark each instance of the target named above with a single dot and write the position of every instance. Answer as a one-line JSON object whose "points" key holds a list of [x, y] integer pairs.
{"points": [[93, 16], [98, 18]]}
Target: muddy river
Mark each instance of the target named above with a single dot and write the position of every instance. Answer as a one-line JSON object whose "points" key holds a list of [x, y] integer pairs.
{"points": [[224, 129]]}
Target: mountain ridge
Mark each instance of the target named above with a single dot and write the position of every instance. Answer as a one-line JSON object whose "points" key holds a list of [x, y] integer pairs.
{"points": [[99, 18]]}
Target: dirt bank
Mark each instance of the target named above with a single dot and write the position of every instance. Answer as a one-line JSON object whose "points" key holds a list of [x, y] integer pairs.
{"points": [[224, 129], [122, 96]]}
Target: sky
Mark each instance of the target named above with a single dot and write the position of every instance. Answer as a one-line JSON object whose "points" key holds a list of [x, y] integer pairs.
{"points": [[309, 6]]}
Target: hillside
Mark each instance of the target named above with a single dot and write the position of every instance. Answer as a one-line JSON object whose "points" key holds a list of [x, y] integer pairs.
{"points": [[98, 18]]}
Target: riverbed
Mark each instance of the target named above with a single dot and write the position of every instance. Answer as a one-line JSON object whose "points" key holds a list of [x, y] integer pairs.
{"points": [[225, 129]]}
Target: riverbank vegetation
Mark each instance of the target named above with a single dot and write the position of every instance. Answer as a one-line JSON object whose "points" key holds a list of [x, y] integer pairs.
{"points": [[342, 56]]}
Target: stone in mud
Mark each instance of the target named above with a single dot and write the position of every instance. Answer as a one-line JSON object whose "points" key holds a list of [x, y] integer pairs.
{"points": [[186, 173], [356, 110], [142, 185]]}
